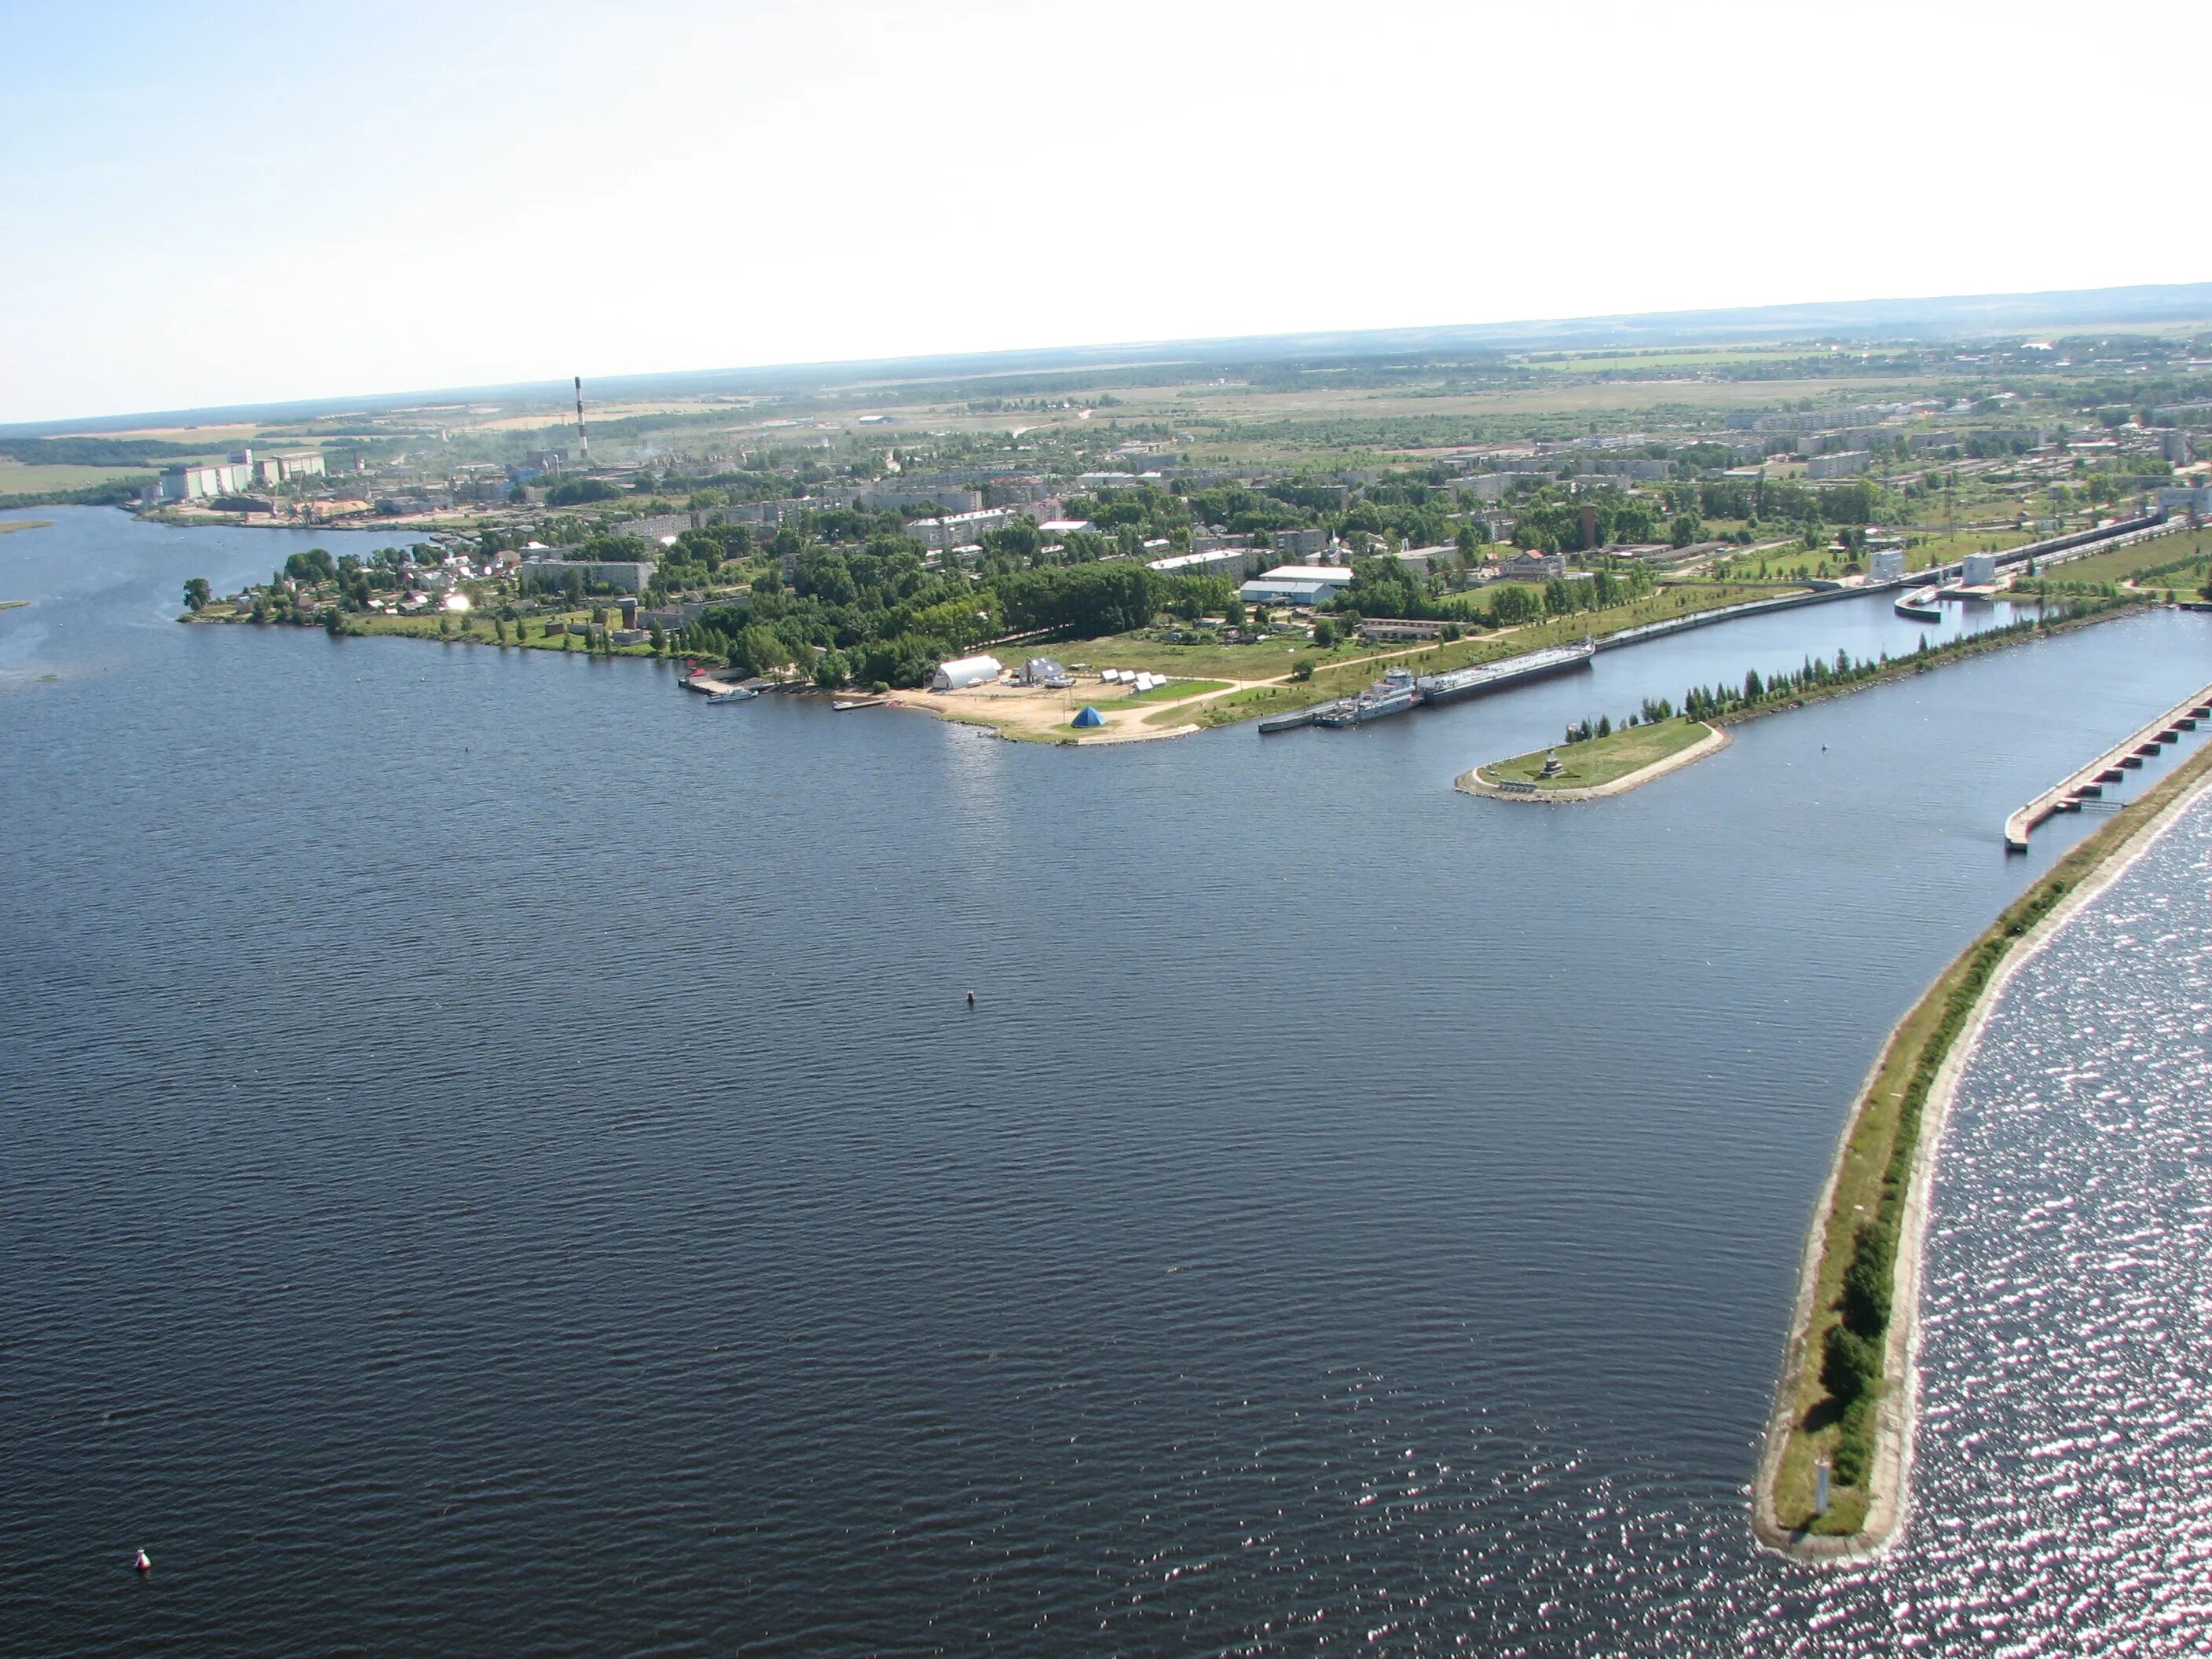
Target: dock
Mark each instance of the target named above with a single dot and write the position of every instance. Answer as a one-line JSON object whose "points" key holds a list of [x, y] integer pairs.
{"points": [[2114, 764]]}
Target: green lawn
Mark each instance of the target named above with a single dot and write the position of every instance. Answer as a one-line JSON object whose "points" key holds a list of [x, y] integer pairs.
{"points": [[2122, 562], [1263, 661], [17, 479], [1168, 692], [1601, 760]]}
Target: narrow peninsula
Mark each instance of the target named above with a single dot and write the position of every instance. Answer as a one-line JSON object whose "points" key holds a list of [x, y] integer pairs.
{"points": [[1844, 1401]]}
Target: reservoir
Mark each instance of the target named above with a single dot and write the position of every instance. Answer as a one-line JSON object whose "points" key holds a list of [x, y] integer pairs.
{"points": [[495, 1156]]}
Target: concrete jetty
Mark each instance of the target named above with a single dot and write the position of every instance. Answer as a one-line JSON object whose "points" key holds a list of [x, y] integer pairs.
{"points": [[2087, 783]]}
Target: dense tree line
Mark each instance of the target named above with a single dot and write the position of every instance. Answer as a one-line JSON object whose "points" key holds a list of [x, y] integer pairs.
{"points": [[878, 615]]}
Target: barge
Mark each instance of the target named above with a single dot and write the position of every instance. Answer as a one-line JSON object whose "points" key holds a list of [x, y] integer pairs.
{"points": [[1463, 682]]}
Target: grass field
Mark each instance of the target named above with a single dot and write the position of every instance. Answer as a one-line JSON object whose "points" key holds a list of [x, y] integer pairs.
{"points": [[17, 479], [1171, 690], [2123, 562], [1601, 760], [8, 524], [1345, 670]]}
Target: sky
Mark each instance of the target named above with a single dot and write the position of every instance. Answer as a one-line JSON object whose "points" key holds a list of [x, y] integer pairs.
{"points": [[203, 205]]}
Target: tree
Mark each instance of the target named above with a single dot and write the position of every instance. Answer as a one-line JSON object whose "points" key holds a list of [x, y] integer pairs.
{"points": [[196, 594], [1683, 530], [313, 566]]}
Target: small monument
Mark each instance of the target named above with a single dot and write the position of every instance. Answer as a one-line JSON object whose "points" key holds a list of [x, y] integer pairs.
{"points": [[1553, 766]]}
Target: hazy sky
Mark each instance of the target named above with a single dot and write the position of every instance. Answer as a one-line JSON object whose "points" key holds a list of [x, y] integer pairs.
{"points": [[230, 202]]}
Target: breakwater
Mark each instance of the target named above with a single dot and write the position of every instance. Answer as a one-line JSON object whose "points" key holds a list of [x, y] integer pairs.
{"points": [[1842, 1426]]}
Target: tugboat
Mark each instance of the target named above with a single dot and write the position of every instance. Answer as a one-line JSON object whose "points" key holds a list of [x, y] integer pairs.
{"points": [[1394, 694]]}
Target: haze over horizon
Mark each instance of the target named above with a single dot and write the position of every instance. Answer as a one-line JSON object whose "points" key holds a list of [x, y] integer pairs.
{"points": [[254, 204]]}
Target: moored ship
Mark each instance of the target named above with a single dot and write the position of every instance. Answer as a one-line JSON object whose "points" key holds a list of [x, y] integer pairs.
{"points": [[1394, 694], [1463, 682]]}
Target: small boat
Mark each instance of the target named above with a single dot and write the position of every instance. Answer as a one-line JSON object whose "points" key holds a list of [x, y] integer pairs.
{"points": [[735, 694], [1286, 722]]}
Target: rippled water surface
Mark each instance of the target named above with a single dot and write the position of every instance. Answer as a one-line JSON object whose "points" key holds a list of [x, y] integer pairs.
{"points": [[494, 1156]]}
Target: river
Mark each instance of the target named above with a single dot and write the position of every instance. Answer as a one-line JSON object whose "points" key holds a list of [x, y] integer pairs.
{"points": [[494, 1154]]}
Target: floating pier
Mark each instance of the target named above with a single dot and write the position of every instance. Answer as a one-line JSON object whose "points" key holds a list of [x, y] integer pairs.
{"points": [[2111, 767]]}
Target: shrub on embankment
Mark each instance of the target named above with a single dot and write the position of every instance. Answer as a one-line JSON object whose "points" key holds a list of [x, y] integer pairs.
{"points": [[1852, 1352]]}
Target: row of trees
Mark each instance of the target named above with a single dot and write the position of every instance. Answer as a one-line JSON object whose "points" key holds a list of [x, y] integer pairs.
{"points": [[1814, 674]]}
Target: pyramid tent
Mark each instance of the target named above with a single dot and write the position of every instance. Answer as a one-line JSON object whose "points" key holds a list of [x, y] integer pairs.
{"points": [[1089, 718]]}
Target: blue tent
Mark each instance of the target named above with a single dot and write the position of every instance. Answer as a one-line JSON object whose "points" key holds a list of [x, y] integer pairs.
{"points": [[1089, 718]]}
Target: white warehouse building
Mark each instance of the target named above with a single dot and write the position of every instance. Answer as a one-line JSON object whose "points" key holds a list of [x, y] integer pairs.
{"points": [[1297, 583], [965, 671]]}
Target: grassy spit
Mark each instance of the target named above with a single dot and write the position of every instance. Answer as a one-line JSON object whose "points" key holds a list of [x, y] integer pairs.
{"points": [[1600, 761]]}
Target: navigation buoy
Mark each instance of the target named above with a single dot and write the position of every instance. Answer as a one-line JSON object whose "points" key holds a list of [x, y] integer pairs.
{"points": [[971, 998], [143, 1562]]}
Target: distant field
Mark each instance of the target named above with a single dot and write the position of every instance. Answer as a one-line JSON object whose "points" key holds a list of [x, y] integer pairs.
{"points": [[16, 479], [213, 438], [1600, 363], [2120, 564]]}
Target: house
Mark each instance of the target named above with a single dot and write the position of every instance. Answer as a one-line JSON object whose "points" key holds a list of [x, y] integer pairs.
{"points": [[1234, 561], [960, 528], [1399, 628], [622, 575], [1043, 670], [1533, 566]]}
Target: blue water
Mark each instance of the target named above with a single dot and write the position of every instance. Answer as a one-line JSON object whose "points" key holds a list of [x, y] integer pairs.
{"points": [[494, 1154]]}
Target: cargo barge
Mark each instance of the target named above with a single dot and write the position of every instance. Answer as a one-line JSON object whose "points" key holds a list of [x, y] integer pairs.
{"points": [[1463, 682]]}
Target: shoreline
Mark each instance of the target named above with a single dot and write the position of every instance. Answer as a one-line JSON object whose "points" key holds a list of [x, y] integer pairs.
{"points": [[2088, 871], [1716, 739], [1015, 726]]}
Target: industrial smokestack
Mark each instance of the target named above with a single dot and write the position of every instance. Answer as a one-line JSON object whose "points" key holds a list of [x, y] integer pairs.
{"points": [[582, 437]]}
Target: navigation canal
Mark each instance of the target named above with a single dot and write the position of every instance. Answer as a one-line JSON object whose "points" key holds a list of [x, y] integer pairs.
{"points": [[494, 1154]]}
